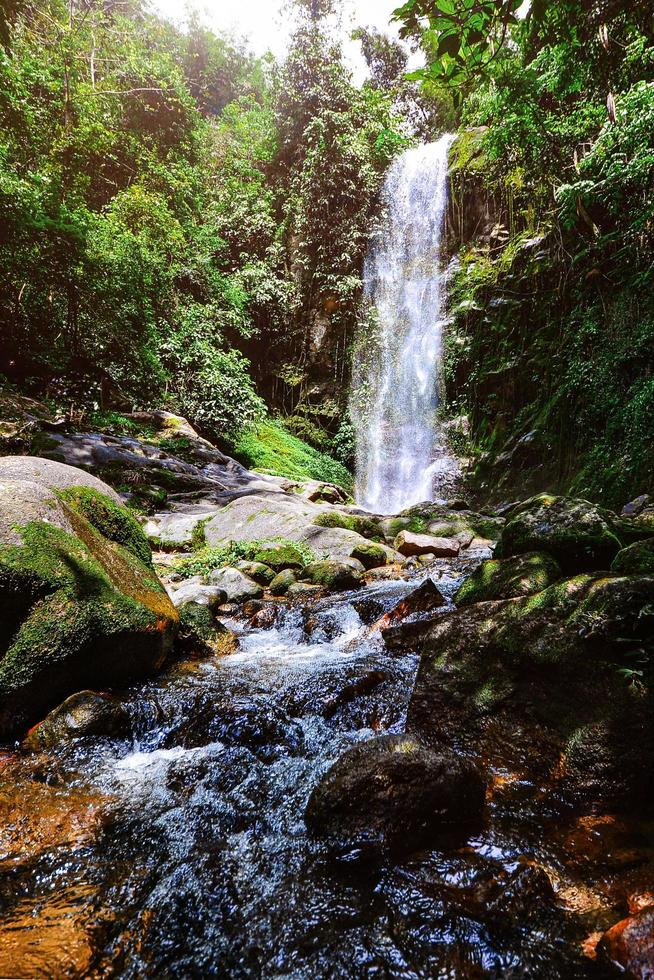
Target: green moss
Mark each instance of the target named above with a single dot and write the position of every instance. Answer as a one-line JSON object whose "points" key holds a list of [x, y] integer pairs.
{"points": [[77, 592], [198, 540], [277, 555], [370, 555], [509, 578], [112, 521], [367, 527], [270, 448], [637, 559]]}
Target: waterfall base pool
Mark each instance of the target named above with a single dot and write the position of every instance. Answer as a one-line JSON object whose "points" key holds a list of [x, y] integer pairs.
{"points": [[183, 852]]}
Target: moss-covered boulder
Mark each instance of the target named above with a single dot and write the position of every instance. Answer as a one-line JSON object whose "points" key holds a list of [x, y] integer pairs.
{"points": [[392, 792], [77, 609], [637, 559], [367, 527], [509, 578], [553, 685], [333, 575], [256, 570], [370, 555], [280, 556], [201, 635], [282, 582], [82, 715], [577, 533]]}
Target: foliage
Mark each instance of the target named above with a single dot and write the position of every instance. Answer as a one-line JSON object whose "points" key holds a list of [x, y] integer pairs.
{"points": [[269, 448], [207, 559]]}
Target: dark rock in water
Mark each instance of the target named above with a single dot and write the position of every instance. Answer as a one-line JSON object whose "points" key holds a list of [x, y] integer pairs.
{"points": [[424, 599], [393, 792], [302, 590], [357, 688], [630, 946], [333, 575], [200, 635], [535, 681], [580, 535], [369, 609], [263, 729], [252, 607], [509, 578], [637, 559], [282, 582], [82, 715], [529, 889], [266, 617], [635, 507]]}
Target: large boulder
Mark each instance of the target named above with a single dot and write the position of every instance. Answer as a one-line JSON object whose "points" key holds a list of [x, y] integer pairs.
{"points": [[237, 586], [393, 792], [509, 578], [545, 681], [409, 544], [80, 605], [580, 535]]}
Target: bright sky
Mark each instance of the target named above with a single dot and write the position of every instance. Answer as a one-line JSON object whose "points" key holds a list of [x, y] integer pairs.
{"points": [[261, 22]]}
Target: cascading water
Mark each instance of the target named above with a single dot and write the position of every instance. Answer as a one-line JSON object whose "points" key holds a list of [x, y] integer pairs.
{"points": [[398, 352]]}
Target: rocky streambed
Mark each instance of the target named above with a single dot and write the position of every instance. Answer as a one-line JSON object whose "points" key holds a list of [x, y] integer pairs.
{"points": [[410, 763]]}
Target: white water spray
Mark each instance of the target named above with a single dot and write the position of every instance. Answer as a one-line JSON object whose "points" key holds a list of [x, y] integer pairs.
{"points": [[397, 358]]}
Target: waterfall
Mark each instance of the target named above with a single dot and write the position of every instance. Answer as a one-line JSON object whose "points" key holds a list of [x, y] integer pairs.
{"points": [[398, 350]]}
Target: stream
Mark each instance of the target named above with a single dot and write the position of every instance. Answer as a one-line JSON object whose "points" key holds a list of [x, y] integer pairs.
{"points": [[183, 852]]}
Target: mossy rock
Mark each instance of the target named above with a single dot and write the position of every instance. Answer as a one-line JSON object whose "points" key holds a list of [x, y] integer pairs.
{"points": [[367, 527], [370, 555], [77, 610], [282, 582], [577, 533], [82, 715], [637, 559], [333, 575], [200, 635], [112, 520], [509, 578], [279, 557], [518, 681], [256, 570]]}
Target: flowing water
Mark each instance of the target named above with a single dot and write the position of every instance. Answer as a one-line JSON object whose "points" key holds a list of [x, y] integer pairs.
{"points": [[182, 852], [401, 457]]}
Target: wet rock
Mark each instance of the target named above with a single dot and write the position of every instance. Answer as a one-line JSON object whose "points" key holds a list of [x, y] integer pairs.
{"points": [[528, 891], [236, 586], [252, 607], [630, 945], [409, 544], [424, 599], [266, 617], [333, 575], [637, 559], [82, 715], [580, 535], [370, 555], [257, 571], [509, 578], [368, 609], [302, 590], [79, 606], [544, 669], [355, 689], [252, 723], [200, 635], [636, 507], [195, 592], [393, 792], [282, 582], [384, 574]]}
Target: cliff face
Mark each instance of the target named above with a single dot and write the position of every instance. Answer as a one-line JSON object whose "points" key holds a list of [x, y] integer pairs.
{"points": [[550, 344]]}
